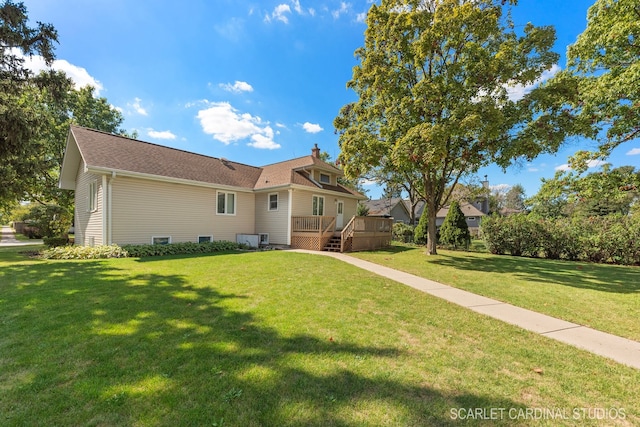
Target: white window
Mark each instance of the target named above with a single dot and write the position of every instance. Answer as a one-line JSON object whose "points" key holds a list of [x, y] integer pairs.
{"points": [[264, 238], [325, 179], [160, 240], [273, 201], [471, 218], [317, 207], [93, 197], [205, 239], [226, 203]]}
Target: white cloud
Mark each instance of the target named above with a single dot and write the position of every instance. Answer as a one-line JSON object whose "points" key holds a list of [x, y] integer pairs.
{"points": [[633, 152], [296, 6], [264, 142], [279, 13], [228, 125], [595, 163], [519, 91], [361, 17], [138, 107], [237, 87], [499, 188], [344, 8], [312, 127], [368, 182], [590, 164], [166, 134], [79, 75]]}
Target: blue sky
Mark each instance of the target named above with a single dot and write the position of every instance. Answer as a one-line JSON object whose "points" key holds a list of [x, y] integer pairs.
{"points": [[253, 81]]}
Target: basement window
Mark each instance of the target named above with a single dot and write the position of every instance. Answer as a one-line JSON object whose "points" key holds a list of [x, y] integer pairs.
{"points": [[160, 240]]}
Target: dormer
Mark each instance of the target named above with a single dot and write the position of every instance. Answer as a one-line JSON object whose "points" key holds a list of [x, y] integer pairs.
{"points": [[321, 172]]}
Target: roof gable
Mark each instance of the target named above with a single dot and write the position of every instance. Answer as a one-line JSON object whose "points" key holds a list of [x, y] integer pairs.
{"points": [[383, 207], [102, 150], [468, 210]]}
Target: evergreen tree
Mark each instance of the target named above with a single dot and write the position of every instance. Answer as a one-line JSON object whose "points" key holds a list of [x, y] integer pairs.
{"points": [[420, 233], [454, 230]]}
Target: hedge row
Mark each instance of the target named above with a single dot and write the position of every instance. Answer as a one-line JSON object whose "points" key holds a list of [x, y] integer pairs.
{"points": [[84, 252], [612, 239], [137, 251]]}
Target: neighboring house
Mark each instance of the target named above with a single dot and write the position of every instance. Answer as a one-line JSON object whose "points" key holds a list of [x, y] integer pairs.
{"points": [[472, 215], [134, 192], [394, 207]]}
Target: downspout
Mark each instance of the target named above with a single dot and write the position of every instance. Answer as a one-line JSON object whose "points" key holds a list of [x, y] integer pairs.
{"points": [[110, 215], [289, 217], [105, 205]]}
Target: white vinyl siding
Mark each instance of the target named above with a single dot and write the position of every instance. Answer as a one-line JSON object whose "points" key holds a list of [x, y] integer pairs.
{"points": [[273, 222], [88, 222], [144, 208]]}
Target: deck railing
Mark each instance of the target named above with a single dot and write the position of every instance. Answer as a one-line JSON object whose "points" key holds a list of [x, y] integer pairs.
{"points": [[312, 232], [366, 233], [360, 233], [305, 224]]}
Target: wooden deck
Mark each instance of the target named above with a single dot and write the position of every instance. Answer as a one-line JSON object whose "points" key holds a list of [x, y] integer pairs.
{"points": [[318, 233]]}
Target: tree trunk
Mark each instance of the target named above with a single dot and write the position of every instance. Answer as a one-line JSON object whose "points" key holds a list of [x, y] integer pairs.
{"points": [[431, 229]]}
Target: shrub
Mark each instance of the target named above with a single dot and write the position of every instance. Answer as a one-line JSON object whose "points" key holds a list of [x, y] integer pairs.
{"points": [[516, 234], [31, 232], [84, 252], [52, 242], [403, 232], [454, 230], [604, 239], [49, 220], [494, 234], [420, 233], [139, 251]]}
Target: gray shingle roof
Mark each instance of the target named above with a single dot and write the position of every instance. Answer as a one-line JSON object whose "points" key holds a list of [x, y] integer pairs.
{"points": [[102, 150]]}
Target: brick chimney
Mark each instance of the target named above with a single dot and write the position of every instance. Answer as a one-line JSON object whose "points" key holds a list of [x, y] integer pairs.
{"points": [[315, 151]]}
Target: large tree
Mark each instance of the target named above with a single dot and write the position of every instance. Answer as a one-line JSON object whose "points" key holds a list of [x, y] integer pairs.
{"points": [[605, 64], [570, 194], [20, 119], [433, 83]]}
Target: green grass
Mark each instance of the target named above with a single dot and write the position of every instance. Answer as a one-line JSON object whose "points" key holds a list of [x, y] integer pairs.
{"points": [[604, 297], [270, 339]]}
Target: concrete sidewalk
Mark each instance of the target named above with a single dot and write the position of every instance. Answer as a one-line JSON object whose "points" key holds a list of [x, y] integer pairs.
{"points": [[8, 238], [621, 350]]}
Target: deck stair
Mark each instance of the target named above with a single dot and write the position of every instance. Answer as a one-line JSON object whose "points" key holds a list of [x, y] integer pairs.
{"points": [[334, 244]]}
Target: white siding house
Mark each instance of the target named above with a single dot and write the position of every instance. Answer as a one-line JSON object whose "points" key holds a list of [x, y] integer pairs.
{"points": [[129, 191]]}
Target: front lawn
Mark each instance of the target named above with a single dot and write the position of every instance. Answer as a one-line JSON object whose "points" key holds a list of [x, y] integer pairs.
{"points": [[604, 297], [275, 339]]}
